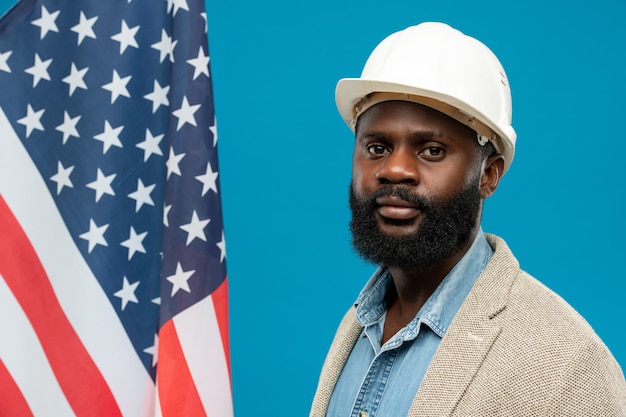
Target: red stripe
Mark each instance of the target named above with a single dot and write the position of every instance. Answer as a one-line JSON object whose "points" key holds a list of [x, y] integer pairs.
{"points": [[78, 376], [220, 303], [12, 402], [178, 395]]}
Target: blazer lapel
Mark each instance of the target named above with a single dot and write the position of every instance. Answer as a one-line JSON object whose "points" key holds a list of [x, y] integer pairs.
{"points": [[345, 338], [460, 355], [469, 338]]}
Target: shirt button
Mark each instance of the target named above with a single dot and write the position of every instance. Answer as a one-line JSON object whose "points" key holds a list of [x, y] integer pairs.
{"points": [[363, 414]]}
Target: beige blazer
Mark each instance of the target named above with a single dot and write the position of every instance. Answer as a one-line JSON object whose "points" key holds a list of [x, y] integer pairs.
{"points": [[515, 348]]}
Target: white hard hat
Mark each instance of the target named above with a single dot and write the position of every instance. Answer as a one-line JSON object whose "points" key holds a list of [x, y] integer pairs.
{"points": [[440, 67]]}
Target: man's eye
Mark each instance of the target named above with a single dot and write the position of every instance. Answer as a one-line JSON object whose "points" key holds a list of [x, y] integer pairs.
{"points": [[376, 149], [432, 151]]}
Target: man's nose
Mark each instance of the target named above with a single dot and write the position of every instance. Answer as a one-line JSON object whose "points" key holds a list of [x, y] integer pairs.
{"points": [[399, 167]]}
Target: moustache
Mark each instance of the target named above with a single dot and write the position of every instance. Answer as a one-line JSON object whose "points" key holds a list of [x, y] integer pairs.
{"points": [[401, 192]]}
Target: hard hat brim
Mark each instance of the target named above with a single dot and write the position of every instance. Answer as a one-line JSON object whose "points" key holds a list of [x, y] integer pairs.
{"points": [[351, 91]]}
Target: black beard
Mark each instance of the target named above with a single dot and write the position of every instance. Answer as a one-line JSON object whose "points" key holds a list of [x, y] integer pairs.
{"points": [[445, 226]]}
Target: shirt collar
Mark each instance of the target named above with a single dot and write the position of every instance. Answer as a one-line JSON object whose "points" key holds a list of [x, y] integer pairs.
{"points": [[441, 307]]}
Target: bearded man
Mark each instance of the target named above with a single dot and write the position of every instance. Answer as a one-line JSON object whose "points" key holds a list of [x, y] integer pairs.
{"points": [[448, 325]]}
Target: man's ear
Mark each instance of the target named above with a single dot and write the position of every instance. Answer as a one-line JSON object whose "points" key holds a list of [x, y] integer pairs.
{"points": [[492, 171]]}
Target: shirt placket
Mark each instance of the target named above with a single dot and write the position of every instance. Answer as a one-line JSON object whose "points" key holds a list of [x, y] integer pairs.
{"points": [[374, 384]]}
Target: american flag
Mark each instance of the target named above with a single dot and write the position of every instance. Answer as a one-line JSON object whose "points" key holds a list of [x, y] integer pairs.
{"points": [[113, 289]]}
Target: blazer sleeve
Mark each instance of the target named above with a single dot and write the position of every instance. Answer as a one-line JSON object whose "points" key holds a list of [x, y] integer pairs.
{"points": [[592, 385]]}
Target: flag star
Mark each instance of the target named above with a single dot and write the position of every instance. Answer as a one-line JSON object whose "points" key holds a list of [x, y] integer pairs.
{"points": [[39, 70], [110, 137], [68, 127], [176, 5], [117, 86], [154, 349], [134, 243], [158, 96], [102, 185], [62, 177], [195, 228], [75, 79], [32, 120], [186, 114], [84, 28], [156, 301], [206, 22], [142, 195], [166, 212], [95, 235], [179, 280], [127, 293], [200, 64], [150, 145], [208, 180], [165, 46], [126, 37], [172, 163], [4, 58], [222, 246], [213, 129], [46, 22]]}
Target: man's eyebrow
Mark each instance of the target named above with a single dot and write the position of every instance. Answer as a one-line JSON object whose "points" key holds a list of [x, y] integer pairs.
{"points": [[421, 135]]}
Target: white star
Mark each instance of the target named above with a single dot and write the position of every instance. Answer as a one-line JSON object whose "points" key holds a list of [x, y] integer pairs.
{"points": [[177, 4], [75, 79], [222, 245], [208, 180], [39, 70], [154, 349], [68, 127], [84, 28], [102, 185], [110, 137], [206, 22], [134, 243], [46, 22], [172, 163], [165, 46], [95, 235], [200, 64], [127, 293], [32, 120], [142, 195], [186, 114], [213, 129], [117, 86], [179, 279], [4, 58], [126, 37], [166, 212], [195, 228], [150, 145], [62, 177], [158, 96]]}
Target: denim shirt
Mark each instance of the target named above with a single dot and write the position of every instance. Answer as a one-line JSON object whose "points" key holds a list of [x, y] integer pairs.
{"points": [[382, 381]]}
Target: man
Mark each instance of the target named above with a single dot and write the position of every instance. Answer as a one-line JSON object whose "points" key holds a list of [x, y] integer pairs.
{"points": [[449, 325]]}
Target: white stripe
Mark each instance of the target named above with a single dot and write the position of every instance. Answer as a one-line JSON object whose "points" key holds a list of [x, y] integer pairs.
{"points": [[157, 402], [26, 361], [202, 346], [78, 291]]}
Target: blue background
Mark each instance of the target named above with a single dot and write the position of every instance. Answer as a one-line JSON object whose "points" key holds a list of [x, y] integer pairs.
{"points": [[285, 159]]}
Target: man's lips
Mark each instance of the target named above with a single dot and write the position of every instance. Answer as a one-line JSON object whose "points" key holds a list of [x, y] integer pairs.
{"points": [[393, 207]]}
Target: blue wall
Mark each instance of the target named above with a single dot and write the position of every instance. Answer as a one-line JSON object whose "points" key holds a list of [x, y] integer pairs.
{"points": [[285, 167]]}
